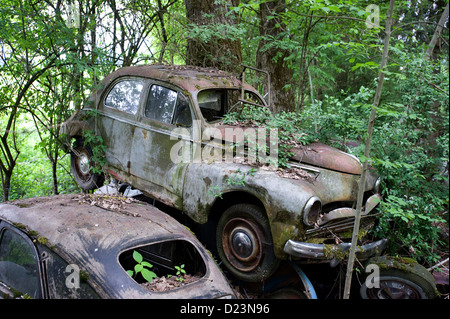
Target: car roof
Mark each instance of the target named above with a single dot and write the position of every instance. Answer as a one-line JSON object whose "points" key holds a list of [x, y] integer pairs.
{"points": [[92, 237], [189, 78], [73, 215]]}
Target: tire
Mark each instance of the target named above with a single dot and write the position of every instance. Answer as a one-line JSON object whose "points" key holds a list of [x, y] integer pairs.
{"points": [[287, 293], [244, 243], [81, 163], [399, 284]]}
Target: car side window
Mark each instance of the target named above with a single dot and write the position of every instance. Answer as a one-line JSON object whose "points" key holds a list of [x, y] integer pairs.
{"points": [[161, 104], [125, 95], [58, 272], [182, 115], [212, 104], [19, 264]]}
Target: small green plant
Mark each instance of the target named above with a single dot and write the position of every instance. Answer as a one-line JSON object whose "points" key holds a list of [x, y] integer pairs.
{"points": [[236, 179], [180, 272], [216, 191], [140, 267]]}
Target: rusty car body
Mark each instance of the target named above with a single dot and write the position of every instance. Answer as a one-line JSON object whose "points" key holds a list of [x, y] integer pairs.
{"points": [[267, 218], [66, 247]]}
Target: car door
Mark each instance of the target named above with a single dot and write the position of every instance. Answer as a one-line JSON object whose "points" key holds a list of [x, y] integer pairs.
{"points": [[119, 115], [166, 122], [20, 270]]}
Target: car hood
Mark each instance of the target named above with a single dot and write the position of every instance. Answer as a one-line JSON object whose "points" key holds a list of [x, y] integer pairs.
{"points": [[321, 155], [315, 154]]}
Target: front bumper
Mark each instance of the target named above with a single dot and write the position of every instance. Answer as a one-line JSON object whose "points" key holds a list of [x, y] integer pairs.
{"points": [[330, 252]]}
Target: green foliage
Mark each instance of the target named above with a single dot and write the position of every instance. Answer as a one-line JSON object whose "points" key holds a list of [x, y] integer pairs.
{"points": [[409, 149], [32, 176], [287, 125], [142, 267], [98, 150], [338, 119], [237, 178]]}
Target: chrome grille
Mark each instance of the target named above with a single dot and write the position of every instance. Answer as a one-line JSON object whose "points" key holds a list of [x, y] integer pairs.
{"points": [[336, 227]]}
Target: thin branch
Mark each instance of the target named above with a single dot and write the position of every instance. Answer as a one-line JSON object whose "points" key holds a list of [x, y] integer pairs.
{"points": [[362, 181]]}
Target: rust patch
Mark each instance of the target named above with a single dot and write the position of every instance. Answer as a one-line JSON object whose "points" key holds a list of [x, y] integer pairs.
{"points": [[207, 181], [325, 156], [117, 176]]}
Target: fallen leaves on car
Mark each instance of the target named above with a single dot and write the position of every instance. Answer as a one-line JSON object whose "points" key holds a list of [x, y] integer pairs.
{"points": [[167, 283], [295, 173], [108, 202]]}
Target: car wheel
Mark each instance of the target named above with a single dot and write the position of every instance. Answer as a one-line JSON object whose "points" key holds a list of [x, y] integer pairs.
{"points": [[287, 293], [398, 284], [81, 163], [244, 243]]}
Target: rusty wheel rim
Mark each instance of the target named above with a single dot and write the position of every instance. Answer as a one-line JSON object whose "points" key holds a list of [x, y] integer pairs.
{"points": [[395, 288], [242, 244], [83, 165]]}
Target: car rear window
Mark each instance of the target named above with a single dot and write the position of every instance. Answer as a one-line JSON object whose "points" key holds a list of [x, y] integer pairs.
{"points": [[214, 103], [166, 259], [125, 95]]}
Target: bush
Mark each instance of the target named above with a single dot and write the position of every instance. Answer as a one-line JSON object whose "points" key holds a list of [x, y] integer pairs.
{"points": [[409, 148]]}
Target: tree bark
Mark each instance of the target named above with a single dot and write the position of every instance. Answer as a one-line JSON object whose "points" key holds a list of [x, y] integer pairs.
{"points": [[6, 183], [54, 177], [218, 50], [272, 59], [437, 33]]}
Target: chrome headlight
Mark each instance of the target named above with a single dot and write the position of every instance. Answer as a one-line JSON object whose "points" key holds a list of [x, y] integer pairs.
{"points": [[377, 187], [311, 212]]}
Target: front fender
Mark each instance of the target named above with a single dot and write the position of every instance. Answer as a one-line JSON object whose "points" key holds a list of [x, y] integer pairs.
{"points": [[73, 128], [284, 199]]}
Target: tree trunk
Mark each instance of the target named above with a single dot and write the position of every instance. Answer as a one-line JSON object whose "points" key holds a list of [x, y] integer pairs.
{"points": [[54, 162], [272, 59], [6, 184], [437, 33], [218, 50], [432, 53], [9, 149]]}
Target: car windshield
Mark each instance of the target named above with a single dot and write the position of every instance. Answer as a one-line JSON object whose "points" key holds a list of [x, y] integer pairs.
{"points": [[214, 103]]}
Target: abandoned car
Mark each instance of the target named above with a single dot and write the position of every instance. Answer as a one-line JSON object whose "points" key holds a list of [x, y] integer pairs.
{"points": [[76, 246], [146, 118]]}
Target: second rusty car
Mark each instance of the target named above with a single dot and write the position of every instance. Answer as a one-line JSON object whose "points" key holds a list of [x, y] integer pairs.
{"points": [[76, 246], [147, 116]]}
